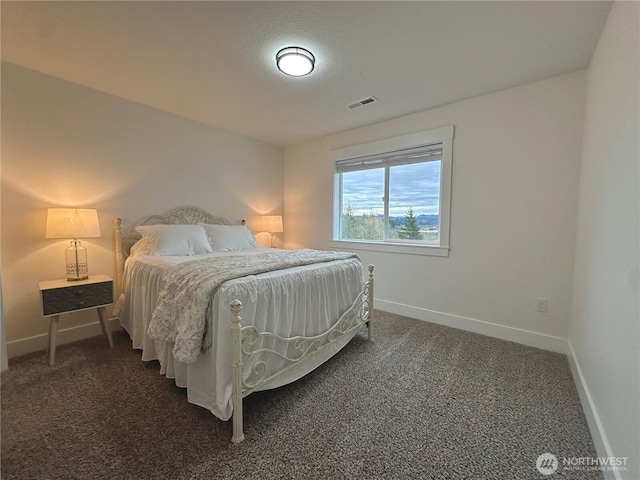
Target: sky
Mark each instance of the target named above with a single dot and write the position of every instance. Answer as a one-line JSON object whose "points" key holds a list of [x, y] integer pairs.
{"points": [[416, 186]]}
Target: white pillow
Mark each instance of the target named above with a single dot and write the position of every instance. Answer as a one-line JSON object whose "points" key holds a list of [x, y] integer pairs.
{"points": [[228, 238], [139, 248], [175, 239]]}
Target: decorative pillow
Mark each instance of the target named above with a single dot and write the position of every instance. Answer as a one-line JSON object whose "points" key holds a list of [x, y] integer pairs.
{"points": [[175, 239], [228, 238]]}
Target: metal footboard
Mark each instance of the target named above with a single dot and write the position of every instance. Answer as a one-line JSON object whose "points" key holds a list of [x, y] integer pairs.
{"points": [[250, 347]]}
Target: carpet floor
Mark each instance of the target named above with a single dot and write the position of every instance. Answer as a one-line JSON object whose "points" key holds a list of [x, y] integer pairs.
{"points": [[422, 401]]}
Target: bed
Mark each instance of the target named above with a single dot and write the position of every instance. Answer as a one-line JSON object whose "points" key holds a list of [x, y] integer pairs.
{"points": [[225, 317]]}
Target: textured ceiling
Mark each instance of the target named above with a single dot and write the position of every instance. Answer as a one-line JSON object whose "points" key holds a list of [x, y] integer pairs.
{"points": [[214, 62]]}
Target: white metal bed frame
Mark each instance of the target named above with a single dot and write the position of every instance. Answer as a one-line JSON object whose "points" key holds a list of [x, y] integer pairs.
{"points": [[249, 373]]}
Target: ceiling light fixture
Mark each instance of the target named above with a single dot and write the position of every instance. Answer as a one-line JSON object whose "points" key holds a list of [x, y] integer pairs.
{"points": [[295, 61]]}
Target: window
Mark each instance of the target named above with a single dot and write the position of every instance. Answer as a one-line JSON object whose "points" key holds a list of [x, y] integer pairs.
{"points": [[393, 195]]}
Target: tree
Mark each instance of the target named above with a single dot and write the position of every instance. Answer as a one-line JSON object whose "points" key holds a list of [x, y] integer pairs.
{"points": [[410, 230], [365, 226]]}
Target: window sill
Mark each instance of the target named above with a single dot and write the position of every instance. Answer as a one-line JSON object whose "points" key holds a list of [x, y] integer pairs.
{"points": [[389, 247]]}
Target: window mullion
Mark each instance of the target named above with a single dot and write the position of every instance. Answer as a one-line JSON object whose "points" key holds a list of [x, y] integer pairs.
{"points": [[340, 206], [385, 231]]}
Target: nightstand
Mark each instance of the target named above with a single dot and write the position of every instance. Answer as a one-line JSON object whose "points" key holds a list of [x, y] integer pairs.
{"points": [[63, 296]]}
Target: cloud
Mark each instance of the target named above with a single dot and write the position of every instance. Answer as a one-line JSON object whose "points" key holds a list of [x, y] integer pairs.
{"points": [[416, 186]]}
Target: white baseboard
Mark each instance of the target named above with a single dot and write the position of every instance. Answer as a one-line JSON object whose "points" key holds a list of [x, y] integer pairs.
{"points": [[39, 343], [600, 441], [511, 334]]}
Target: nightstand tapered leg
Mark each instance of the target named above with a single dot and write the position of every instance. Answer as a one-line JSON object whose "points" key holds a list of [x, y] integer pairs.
{"points": [[102, 316], [53, 329]]}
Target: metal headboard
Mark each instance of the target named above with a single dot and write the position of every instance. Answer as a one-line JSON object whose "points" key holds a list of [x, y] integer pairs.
{"points": [[178, 216]]}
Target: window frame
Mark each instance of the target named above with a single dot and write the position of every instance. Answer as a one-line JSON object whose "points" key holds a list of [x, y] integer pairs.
{"points": [[442, 135]]}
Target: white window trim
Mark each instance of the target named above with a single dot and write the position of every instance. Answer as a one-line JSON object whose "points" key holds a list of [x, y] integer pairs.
{"points": [[390, 247], [436, 135]]}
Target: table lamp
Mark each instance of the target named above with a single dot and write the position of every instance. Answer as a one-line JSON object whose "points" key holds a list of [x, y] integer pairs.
{"points": [[271, 224], [74, 223]]}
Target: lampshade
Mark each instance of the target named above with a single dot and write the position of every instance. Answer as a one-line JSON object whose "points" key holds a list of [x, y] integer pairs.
{"points": [[72, 223], [271, 223], [295, 61]]}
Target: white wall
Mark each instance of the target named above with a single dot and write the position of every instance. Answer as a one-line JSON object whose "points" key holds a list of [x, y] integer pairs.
{"points": [[67, 145], [605, 330], [516, 160]]}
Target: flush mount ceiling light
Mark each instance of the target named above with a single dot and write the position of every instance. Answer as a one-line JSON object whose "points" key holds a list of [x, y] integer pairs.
{"points": [[295, 61]]}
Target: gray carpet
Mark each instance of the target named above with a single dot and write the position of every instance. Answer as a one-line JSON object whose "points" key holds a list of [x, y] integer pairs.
{"points": [[421, 402]]}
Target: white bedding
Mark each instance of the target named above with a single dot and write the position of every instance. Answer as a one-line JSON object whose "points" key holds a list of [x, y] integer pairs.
{"points": [[304, 300]]}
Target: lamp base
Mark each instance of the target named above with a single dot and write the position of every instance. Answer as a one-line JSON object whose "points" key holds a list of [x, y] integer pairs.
{"points": [[77, 279], [76, 260]]}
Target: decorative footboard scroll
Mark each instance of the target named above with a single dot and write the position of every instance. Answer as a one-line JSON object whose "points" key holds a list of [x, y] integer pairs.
{"points": [[252, 349]]}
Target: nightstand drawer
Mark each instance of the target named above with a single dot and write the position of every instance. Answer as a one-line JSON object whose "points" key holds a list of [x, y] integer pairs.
{"points": [[68, 299]]}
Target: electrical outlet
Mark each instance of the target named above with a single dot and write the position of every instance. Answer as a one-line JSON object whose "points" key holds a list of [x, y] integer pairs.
{"points": [[542, 304]]}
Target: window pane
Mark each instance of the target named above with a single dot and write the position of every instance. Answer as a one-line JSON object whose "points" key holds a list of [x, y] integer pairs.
{"points": [[362, 209], [414, 202]]}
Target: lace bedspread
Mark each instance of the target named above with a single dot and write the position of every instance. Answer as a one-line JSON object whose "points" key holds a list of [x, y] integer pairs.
{"points": [[181, 313]]}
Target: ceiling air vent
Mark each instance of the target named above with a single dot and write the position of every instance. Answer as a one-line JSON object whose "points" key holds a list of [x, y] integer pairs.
{"points": [[362, 103]]}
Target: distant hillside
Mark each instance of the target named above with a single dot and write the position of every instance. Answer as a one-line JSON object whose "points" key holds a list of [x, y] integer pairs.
{"points": [[428, 222]]}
